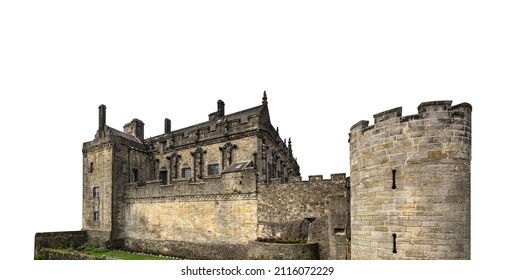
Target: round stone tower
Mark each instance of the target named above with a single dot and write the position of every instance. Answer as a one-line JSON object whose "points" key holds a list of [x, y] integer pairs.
{"points": [[410, 184]]}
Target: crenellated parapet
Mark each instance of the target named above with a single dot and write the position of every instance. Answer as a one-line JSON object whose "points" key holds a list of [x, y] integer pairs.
{"points": [[429, 113], [410, 183], [227, 129], [438, 131]]}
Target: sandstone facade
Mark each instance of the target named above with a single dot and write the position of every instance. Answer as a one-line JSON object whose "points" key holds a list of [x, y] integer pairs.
{"points": [[222, 188], [410, 184], [204, 186]]}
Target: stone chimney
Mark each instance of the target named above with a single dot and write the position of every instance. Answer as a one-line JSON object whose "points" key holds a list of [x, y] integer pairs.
{"points": [[136, 128], [102, 111], [101, 116], [167, 125], [220, 113], [221, 109]]}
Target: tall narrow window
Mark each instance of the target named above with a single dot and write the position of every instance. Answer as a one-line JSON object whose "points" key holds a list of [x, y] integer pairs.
{"points": [[96, 216], [394, 179], [163, 177], [394, 244], [91, 167], [135, 175], [96, 192]]}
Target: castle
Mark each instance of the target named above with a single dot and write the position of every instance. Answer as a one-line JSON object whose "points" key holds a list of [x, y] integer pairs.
{"points": [[220, 189]]}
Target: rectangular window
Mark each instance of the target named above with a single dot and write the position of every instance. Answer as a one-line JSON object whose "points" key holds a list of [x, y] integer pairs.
{"points": [[90, 167], [96, 192], [96, 216], [186, 172], [212, 169], [135, 175], [163, 176]]}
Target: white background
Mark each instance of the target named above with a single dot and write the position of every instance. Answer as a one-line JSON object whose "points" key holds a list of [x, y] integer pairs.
{"points": [[324, 64]]}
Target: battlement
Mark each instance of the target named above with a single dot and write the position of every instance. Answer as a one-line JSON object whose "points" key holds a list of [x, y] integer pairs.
{"points": [[401, 166], [441, 110], [221, 127], [207, 131], [243, 182], [334, 178]]}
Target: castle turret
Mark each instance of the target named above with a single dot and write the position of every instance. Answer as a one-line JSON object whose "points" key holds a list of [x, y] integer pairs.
{"points": [[410, 184]]}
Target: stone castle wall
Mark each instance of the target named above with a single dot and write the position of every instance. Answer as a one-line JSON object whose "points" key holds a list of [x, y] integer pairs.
{"points": [[179, 219], [97, 173], [410, 184], [410, 190], [196, 219], [66, 239], [108, 165], [314, 211], [277, 251]]}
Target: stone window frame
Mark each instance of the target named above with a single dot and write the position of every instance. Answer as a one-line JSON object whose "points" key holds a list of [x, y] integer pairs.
{"points": [[91, 164], [134, 178], [186, 171], [96, 216], [210, 169], [163, 176]]}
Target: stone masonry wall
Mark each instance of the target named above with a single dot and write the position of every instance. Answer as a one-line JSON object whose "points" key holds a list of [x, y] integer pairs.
{"points": [[197, 219], [187, 250], [313, 211], [410, 184], [99, 176], [66, 239], [107, 165], [277, 251], [219, 213]]}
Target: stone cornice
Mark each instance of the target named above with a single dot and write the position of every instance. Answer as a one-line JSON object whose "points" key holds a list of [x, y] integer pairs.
{"points": [[208, 197]]}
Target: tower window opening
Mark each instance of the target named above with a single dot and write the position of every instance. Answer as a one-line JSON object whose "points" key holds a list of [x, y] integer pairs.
{"points": [[96, 192], [394, 179]]}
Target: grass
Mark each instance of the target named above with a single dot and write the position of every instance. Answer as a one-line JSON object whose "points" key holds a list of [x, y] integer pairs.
{"points": [[99, 252], [124, 256]]}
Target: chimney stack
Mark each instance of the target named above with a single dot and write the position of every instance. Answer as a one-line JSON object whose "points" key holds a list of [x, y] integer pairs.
{"points": [[221, 109], [136, 128], [101, 117], [167, 125]]}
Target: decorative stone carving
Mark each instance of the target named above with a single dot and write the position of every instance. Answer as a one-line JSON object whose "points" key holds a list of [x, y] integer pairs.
{"points": [[226, 155], [198, 163]]}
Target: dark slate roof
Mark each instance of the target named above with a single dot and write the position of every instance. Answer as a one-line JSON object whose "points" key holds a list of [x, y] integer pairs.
{"points": [[116, 132], [238, 166], [242, 115]]}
